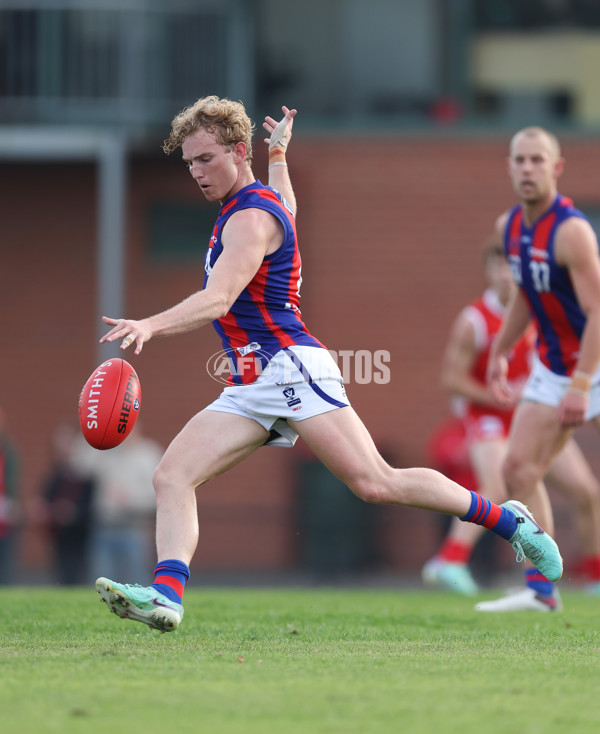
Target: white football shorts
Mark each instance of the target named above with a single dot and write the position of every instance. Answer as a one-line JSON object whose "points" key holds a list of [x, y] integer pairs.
{"points": [[299, 382], [544, 386]]}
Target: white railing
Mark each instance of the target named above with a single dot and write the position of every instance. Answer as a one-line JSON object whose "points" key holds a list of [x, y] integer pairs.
{"points": [[119, 62]]}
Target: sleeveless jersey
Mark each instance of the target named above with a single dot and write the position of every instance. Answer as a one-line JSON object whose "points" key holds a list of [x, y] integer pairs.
{"points": [[266, 317], [486, 314], [546, 285]]}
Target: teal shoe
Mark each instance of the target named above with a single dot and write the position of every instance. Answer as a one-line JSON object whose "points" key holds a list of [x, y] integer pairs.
{"points": [[141, 604], [450, 576], [532, 542]]}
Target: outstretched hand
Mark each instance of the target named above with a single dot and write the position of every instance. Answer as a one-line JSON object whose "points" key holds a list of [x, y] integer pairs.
{"points": [[128, 330], [280, 132]]}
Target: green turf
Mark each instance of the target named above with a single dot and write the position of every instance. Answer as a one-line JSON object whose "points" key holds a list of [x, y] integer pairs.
{"points": [[301, 660]]}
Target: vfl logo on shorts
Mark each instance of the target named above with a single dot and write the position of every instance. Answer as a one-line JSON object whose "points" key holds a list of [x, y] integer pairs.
{"points": [[290, 397]]}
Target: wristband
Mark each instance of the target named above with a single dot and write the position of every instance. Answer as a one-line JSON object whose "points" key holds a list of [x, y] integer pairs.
{"points": [[276, 155], [277, 163], [577, 391], [580, 382]]}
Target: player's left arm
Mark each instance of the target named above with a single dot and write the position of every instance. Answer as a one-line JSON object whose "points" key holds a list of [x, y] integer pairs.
{"points": [[280, 134], [247, 237], [576, 248]]}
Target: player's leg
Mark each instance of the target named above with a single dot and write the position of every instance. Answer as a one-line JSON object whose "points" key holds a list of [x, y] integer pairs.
{"points": [[449, 568], [571, 475], [341, 441], [535, 438], [343, 444], [211, 443]]}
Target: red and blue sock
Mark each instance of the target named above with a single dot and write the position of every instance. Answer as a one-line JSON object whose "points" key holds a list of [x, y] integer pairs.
{"points": [[170, 577], [499, 520], [538, 582]]}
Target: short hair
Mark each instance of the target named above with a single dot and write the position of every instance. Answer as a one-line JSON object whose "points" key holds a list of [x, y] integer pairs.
{"points": [[533, 132], [225, 119]]}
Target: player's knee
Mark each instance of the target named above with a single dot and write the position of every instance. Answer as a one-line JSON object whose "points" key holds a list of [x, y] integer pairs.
{"points": [[159, 479], [368, 492], [519, 475], [165, 480], [168, 479], [371, 489]]}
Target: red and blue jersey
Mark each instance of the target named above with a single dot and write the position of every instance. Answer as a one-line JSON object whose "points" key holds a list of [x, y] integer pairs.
{"points": [[266, 317], [547, 285], [486, 314]]}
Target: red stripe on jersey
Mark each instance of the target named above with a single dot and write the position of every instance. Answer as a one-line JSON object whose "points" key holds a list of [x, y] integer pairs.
{"points": [[256, 289], [541, 236], [228, 206], [565, 201], [294, 278], [540, 242], [293, 292], [266, 194], [514, 236], [293, 295], [567, 339], [236, 337], [247, 368]]}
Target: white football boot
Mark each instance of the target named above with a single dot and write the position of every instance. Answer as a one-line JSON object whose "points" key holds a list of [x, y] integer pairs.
{"points": [[525, 600]]}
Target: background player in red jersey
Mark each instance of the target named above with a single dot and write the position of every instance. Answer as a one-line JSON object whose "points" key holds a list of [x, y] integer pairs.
{"points": [[487, 424], [553, 253], [252, 288]]}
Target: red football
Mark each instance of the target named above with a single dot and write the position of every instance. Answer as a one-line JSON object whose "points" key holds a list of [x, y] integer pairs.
{"points": [[109, 404]]}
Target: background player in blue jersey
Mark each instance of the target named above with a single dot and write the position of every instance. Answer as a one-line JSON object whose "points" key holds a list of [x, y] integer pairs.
{"points": [[553, 253], [486, 426], [251, 294]]}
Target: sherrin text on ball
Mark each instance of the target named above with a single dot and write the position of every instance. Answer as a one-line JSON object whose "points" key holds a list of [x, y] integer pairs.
{"points": [[109, 404]]}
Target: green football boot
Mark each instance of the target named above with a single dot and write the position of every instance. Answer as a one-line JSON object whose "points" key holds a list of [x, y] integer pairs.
{"points": [[141, 604], [532, 542]]}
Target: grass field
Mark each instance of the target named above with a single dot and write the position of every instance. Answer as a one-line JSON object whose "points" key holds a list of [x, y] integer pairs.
{"points": [[301, 660]]}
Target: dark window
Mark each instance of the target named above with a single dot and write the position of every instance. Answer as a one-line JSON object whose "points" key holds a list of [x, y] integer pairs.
{"points": [[179, 231], [497, 15]]}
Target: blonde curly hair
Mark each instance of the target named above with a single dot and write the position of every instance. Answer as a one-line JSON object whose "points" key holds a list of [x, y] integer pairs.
{"points": [[225, 119]]}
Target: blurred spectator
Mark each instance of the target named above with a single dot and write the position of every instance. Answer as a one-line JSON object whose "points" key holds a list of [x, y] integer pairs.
{"points": [[125, 506], [67, 497], [9, 493]]}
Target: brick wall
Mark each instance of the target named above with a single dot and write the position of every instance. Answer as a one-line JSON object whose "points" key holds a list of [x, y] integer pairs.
{"points": [[390, 231]]}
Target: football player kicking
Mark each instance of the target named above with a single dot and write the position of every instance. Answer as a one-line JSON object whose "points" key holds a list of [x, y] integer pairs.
{"points": [[283, 382]]}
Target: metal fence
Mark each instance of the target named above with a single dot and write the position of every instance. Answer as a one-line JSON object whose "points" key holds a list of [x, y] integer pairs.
{"points": [[125, 62]]}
